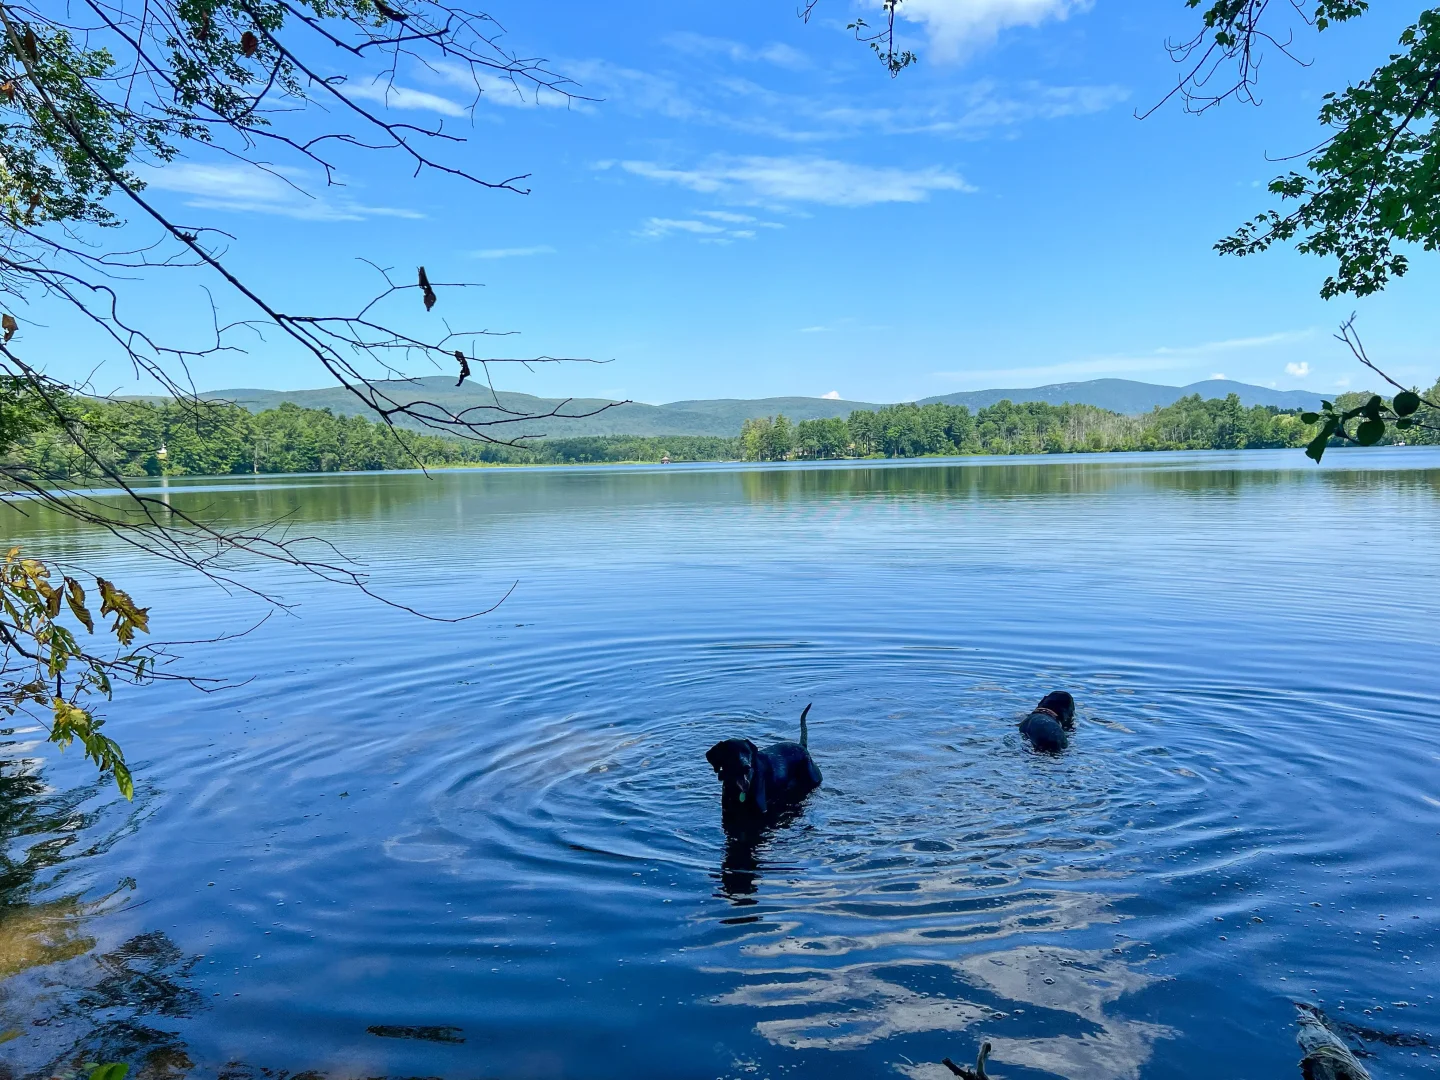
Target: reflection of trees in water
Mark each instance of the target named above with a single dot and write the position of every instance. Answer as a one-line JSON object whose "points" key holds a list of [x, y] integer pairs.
{"points": [[69, 1004], [120, 1008], [38, 825], [39, 831], [477, 504], [1059, 476]]}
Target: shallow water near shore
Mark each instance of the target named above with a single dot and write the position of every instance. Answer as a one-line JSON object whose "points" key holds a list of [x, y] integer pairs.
{"points": [[492, 848]]}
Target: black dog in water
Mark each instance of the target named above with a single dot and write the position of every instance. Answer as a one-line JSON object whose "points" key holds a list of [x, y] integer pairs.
{"points": [[1049, 723], [756, 782]]}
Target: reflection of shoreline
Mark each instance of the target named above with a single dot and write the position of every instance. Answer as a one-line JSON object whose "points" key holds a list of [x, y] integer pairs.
{"points": [[114, 1006], [1157, 456]]}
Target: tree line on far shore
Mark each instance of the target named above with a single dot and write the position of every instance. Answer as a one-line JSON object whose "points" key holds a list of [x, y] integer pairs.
{"points": [[218, 438], [144, 438], [1036, 427]]}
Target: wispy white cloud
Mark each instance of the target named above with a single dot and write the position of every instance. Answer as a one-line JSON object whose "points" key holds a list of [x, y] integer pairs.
{"points": [[249, 189], [1231, 344], [1299, 370], [403, 97], [488, 88], [972, 110], [958, 27], [1165, 358], [780, 180], [774, 53], [727, 215], [833, 395], [707, 232], [736, 101], [512, 253], [518, 94], [656, 227], [1220, 375]]}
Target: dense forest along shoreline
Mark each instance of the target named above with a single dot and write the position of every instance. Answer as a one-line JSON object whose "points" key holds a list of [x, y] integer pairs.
{"points": [[145, 438]]}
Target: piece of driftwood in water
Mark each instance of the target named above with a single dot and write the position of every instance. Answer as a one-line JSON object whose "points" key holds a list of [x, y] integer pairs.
{"points": [[1326, 1055], [442, 1034], [978, 1073]]}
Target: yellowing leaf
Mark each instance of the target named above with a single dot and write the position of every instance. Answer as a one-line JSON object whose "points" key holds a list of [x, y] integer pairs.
{"points": [[128, 617], [124, 781], [75, 597]]}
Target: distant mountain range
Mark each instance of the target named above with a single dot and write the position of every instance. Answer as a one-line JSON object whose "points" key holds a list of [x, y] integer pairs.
{"points": [[1127, 396], [723, 416]]}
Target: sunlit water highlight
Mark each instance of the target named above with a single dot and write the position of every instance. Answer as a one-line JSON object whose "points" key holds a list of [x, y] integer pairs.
{"points": [[500, 838]]}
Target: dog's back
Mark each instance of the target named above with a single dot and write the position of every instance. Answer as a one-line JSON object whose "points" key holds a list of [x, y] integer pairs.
{"points": [[1044, 732], [793, 770], [1049, 724]]}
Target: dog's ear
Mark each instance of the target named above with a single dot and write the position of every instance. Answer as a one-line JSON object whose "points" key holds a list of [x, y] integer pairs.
{"points": [[757, 782], [715, 755]]}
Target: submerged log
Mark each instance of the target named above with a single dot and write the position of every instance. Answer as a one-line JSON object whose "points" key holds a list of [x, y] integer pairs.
{"points": [[1326, 1055]]}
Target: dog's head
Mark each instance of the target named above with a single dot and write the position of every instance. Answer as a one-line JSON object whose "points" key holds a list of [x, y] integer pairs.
{"points": [[1061, 704], [734, 763]]}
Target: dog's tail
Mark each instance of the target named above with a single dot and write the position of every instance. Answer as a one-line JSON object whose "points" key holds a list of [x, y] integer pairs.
{"points": [[805, 731]]}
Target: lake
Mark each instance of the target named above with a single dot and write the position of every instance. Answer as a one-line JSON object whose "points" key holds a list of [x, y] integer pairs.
{"points": [[492, 848]]}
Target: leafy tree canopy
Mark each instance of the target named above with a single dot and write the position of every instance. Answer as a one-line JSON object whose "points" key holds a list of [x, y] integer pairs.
{"points": [[94, 95]]}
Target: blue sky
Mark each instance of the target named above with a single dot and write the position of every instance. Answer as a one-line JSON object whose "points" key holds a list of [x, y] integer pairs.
{"points": [[750, 206]]}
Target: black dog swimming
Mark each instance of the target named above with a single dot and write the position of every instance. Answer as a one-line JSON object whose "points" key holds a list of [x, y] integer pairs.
{"points": [[1049, 723], [756, 782]]}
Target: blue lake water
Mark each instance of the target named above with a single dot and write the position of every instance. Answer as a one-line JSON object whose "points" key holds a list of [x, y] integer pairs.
{"points": [[492, 848]]}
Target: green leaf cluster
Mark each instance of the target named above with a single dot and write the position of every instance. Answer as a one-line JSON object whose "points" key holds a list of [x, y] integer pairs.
{"points": [[1366, 419], [62, 138], [71, 124], [1229, 20], [45, 664], [1373, 187]]}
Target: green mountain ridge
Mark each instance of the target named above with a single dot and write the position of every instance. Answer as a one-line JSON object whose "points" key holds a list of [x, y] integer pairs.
{"points": [[724, 416]]}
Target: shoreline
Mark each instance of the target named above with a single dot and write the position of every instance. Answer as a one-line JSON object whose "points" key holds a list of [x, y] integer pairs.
{"points": [[874, 459]]}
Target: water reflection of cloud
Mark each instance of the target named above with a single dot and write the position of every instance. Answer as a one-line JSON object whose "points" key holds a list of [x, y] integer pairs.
{"points": [[861, 1004], [879, 1009], [1033, 911]]}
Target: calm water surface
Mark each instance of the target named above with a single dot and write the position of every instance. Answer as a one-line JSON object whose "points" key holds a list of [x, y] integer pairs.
{"points": [[492, 849]]}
